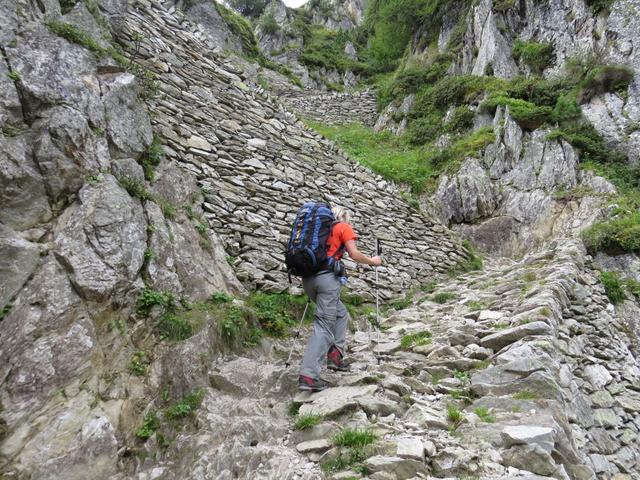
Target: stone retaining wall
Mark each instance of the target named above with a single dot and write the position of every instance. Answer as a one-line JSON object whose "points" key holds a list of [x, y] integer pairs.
{"points": [[256, 163], [335, 108]]}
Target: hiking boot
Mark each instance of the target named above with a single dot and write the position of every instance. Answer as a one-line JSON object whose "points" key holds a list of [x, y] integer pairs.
{"points": [[308, 384], [335, 361]]}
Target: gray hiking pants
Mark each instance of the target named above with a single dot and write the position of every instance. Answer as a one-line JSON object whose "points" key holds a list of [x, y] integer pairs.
{"points": [[330, 325]]}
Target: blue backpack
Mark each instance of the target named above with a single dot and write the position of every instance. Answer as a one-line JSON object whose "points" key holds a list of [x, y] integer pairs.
{"points": [[307, 248]]}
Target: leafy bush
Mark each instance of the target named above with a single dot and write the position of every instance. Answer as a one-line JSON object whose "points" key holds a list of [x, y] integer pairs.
{"points": [[150, 424], [613, 286], [620, 234], [606, 78], [152, 157], [425, 129], [139, 363], [185, 407], [454, 415], [269, 24], [528, 115], [461, 120], [599, 6], [150, 298], [537, 56]]}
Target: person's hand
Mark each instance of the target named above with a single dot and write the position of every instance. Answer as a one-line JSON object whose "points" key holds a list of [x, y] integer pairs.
{"points": [[376, 261]]}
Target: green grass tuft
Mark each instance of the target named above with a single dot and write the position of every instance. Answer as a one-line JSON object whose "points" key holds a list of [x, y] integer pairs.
{"points": [[443, 297], [454, 415], [353, 438], [415, 339], [526, 395], [304, 422], [484, 414], [613, 286]]}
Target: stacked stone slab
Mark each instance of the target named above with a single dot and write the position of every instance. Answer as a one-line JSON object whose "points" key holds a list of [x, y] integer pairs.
{"points": [[256, 163], [335, 108]]}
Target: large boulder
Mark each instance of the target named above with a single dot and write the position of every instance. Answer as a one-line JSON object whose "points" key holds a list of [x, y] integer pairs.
{"points": [[103, 242]]}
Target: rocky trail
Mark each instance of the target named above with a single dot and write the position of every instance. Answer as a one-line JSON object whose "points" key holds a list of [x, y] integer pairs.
{"points": [[514, 372]]}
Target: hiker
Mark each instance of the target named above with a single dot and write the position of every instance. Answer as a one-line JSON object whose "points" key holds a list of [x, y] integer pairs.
{"points": [[323, 288]]}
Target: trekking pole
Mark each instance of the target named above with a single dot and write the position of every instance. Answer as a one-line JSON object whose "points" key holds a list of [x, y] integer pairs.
{"points": [[378, 252], [287, 364]]}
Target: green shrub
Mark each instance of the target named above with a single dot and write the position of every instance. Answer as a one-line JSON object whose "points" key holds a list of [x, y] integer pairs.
{"points": [[174, 326], [425, 129], [185, 407], [152, 158], [139, 363], [304, 422], [242, 28], [613, 286], [528, 115], [4, 311], [353, 438], [136, 188], [269, 23], [14, 76], [150, 298], [461, 120], [537, 56], [232, 325], [415, 339], [567, 108], [588, 142], [599, 6], [470, 146], [276, 313], [606, 78], [148, 427]]}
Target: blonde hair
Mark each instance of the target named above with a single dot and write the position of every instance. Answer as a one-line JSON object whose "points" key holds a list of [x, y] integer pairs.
{"points": [[341, 214]]}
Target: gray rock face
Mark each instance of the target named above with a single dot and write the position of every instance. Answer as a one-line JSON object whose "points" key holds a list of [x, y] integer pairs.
{"points": [[506, 203], [104, 240], [128, 126], [18, 260]]}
